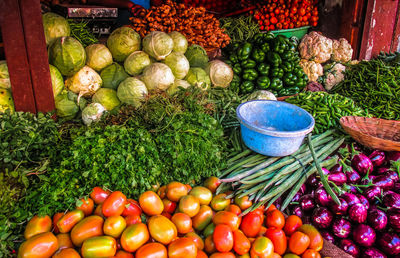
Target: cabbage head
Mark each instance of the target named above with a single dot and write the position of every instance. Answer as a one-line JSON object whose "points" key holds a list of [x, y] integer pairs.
{"points": [[85, 82], [67, 54], [57, 81], [92, 113], [158, 77], [177, 85], [122, 42], [198, 77], [66, 107], [178, 64], [98, 56], [132, 91], [180, 42], [113, 75], [220, 73], [107, 98], [158, 44], [6, 101], [5, 82], [136, 62], [55, 26], [197, 56]]}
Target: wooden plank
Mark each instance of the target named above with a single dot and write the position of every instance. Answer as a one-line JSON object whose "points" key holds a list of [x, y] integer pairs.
{"points": [[37, 54], [17, 60], [396, 33]]}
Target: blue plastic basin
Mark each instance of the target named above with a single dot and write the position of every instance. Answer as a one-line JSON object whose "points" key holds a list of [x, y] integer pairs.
{"points": [[273, 128]]}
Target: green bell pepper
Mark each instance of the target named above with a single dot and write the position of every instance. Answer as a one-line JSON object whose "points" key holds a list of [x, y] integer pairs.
{"points": [[247, 87], [258, 38], [276, 72], [248, 64], [268, 36], [263, 82], [237, 69], [258, 55], [276, 84], [234, 58], [288, 79], [263, 69], [283, 92], [265, 47], [249, 74], [287, 66], [274, 58], [280, 44], [245, 51]]}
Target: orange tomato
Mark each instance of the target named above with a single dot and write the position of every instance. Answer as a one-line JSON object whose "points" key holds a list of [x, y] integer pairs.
{"points": [[262, 248], [162, 229], [243, 202], [182, 247], [100, 246], [99, 210], [241, 244], [114, 226], [114, 205], [175, 191], [223, 238], [262, 231], [88, 227], [162, 191], [275, 219], [219, 202], [316, 240], [37, 225], [272, 207], [69, 220], [151, 203], [202, 218], [56, 218], [223, 255], [134, 237], [189, 205], [182, 222], [278, 238], [275, 255], [212, 183], [310, 253], [99, 195], [123, 254], [133, 219], [234, 209], [289, 255], [201, 254], [64, 241], [152, 250], [132, 207], [41, 245], [196, 239], [243, 256], [251, 223], [66, 253], [227, 218], [167, 215], [87, 206], [292, 223], [189, 187], [169, 206], [298, 242], [203, 194], [260, 210], [209, 245]]}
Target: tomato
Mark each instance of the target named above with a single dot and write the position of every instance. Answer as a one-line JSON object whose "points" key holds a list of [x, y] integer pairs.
{"points": [[56, 218], [316, 240], [86, 205], [201, 254], [291, 256], [310, 253], [88, 227], [298, 242], [278, 238], [227, 218], [272, 207], [162, 229], [169, 206], [134, 237], [223, 238], [123, 254], [196, 239], [99, 210], [223, 255], [182, 247], [114, 205], [189, 205], [260, 210], [262, 248], [132, 207], [175, 191], [182, 222], [212, 183], [99, 195], [151, 203], [37, 225], [302, 11], [133, 219], [292, 223], [162, 191], [101, 246], [64, 241], [114, 226], [243, 202], [41, 245], [202, 218], [69, 220], [251, 223], [67, 253], [275, 255], [166, 214], [209, 230], [209, 245], [241, 244], [203, 194], [275, 219], [243, 256], [219, 203], [189, 188], [234, 209], [152, 250]]}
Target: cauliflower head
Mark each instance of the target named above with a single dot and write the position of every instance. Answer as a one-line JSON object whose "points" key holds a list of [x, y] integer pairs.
{"points": [[312, 69], [342, 51], [316, 47]]}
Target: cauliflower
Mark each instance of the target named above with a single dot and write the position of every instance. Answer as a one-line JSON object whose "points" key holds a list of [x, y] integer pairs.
{"points": [[334, 73], [316, 47], [342, 51], [312, 69]]}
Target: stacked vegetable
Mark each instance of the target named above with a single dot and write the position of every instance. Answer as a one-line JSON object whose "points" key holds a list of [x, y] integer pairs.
{"points": [[267, 62]]}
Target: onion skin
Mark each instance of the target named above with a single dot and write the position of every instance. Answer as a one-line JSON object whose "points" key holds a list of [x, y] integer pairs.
{"points": [[327, 235], [362, 164], [350, 198], [349, 247], [377, 219], [341, 228], [357, 213], [339, 209], [391, 200], [364, 235], [322, 217], [389, 243], [322, 197], [307, 202], [377, 157], [372, 252]]}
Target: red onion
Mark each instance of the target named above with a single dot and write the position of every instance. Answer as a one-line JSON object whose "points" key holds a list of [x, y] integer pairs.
{"points": [[357, 213], [363, 200], [349, 247], [389, 243], [377, 219], [391, 199], [364, 235], [377, 158], [322, 197], [362, 163], [341, 228], [307, 202], [322, 217], [339, 209], [372, 252]]}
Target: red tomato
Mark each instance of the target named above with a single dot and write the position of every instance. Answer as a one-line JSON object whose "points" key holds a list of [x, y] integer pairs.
{"points": [[275, 219], [123, 254], [132, 207], [134, 237], [262, 231], [114, 226], [91, 226], [167, 215], [175, 191], [182, 222], [56, 218], [37, 225], [209, 245], [87, 206], [223, 238], [201, 254], [99, 195], [272, 207], [99, 210], [189, 205], [152, 250], [278, 238], [69, 220], [64, 241], [169, 206], [151, 203], [133, 219], [234, 209], [212, 183], [196, 239], [182, 247], [223, 255], [114, 205], [262, 248], [227, 218], [292, 223], [241, 244], [302, 11], [251, 223], [316, 240], [41, 245], [298, 243]]}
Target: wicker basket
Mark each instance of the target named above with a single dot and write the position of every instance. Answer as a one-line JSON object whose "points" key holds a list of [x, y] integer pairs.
{"points": [[374, 133]]}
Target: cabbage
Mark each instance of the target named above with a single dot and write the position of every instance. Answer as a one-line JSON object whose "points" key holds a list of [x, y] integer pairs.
{"points": [[107, 98], [65, 106], [57, 80], [158, 76], [261, 94], [198, 77], [92, 113], [178, 64], [55, 26], [136, 62], [113, 75], [5, 82], [6, 101], [85, 82], [132, 91], [122, 42], [158, 44], [220, 73], [68, 55], [197, 56], [98, 56], [180, 42], [177, 85]]}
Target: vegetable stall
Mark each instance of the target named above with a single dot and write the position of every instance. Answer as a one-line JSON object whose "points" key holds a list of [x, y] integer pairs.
{"points": [[190, 131]]}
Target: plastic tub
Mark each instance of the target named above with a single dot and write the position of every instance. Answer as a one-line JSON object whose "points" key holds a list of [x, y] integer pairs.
{"points": [[273, 128], [296, 32]]}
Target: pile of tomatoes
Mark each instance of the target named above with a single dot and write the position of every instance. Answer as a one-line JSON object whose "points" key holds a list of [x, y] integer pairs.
{"points": [[286, 14], [175, 221]]}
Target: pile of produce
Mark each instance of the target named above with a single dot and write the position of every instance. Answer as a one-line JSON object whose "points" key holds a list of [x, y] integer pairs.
{"points": [[176, 221], [198, 26], [81, 32], [240, 29], [267, 63]]}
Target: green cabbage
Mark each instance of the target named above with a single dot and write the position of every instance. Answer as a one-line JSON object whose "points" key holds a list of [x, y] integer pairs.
{"points": [[132, 91], [178, 64], [85, 82], [54, 26], [5, 82], [197, 56], [122, 42], [107, 98], [113, 75], [136, 62], [158, 44], [220, 73], [180, 42], [198, 77], [177, 85], [65, 107], [98, 56], [57, 81], [6, 100], [158, 77], [92, 113]]}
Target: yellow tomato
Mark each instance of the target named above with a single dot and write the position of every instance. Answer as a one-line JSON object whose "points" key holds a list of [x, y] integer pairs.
{"points": [[162, 229], [114, 226], [134, 237], [189, 205]]}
